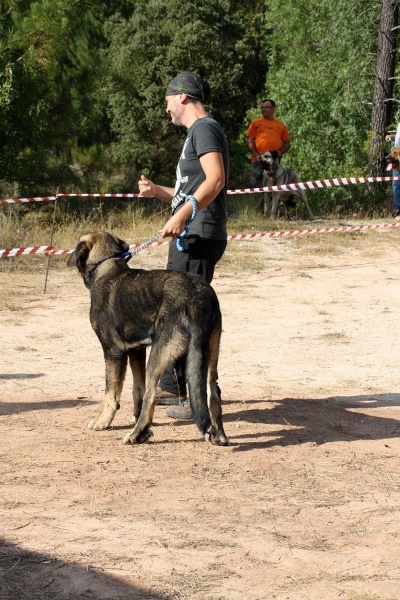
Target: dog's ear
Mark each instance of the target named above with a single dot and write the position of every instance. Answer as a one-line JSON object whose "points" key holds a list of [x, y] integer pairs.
{"points": [[79, 256], [123, 245], [395, 152], [274, 154]]}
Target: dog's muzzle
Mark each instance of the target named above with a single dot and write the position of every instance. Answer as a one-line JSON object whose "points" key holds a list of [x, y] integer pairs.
{"points": [[266, 163], [392, 161]]}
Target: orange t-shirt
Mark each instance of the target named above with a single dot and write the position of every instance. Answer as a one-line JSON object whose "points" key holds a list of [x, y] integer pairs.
{"points": [[268, 134]]}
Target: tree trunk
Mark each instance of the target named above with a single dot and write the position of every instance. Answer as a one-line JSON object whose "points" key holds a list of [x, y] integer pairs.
{"points": [[381, 107]]}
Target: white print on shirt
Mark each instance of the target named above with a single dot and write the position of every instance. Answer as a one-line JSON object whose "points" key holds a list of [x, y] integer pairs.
{"points": [[179, 196], [178, 179], [177, 200], [184, 148]]}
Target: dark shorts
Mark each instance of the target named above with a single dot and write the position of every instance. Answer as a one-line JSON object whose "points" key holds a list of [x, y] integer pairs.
{"points": [[200, 256]]}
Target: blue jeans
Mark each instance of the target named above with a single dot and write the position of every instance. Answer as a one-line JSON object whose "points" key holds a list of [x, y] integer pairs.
{"points": [[256, 174], [396, 192]]}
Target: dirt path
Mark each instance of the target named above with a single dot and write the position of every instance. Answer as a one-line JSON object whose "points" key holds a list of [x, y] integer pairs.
{"points": [[305, 502]]}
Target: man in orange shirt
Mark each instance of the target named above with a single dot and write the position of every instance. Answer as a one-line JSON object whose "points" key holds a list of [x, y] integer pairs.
{"points": [[265, 134]]}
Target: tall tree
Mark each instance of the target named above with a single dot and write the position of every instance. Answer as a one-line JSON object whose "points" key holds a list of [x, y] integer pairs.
{"points": [[33, 37], [52, 110], [162, 38], [383, 88], [60, 67], [321, 60]]}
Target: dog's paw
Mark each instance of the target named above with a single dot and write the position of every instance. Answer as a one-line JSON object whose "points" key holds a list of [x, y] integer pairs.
{"points": [[97, 425], [220, 441], [218, 438], [140, 438]]}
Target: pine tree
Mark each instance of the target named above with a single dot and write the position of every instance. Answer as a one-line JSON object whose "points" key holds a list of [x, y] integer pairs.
{"points": [[321, 76], [162, 38]]}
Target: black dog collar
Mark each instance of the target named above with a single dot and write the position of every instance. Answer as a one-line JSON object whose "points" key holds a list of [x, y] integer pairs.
{"points": [[126, 255]]}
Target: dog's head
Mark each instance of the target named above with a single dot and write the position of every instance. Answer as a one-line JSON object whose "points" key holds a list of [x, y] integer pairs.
{"points": [[392, 159], [92, 248], [269, 160]]}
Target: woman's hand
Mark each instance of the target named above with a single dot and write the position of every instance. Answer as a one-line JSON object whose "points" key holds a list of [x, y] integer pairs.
{"points": [[177, 222], [146, 187]]}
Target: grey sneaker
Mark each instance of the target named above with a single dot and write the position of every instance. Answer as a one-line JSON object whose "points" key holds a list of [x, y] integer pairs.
{"points": [[168, 398], [182, 411]]}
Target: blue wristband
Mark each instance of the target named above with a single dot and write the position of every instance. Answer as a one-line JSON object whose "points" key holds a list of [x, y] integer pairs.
{"points": [[180, 240]]}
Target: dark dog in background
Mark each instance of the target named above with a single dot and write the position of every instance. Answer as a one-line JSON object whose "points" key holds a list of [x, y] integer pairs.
{"points": [[175, 313], [275, 174]]}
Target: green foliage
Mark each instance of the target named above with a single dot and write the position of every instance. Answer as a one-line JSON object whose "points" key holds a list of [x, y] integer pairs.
{"points": [[162, 38], [82, 86], [49, 81], [321, 75]]}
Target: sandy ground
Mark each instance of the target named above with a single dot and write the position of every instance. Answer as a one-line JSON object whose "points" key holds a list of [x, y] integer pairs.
{"points": [[304, 504]]}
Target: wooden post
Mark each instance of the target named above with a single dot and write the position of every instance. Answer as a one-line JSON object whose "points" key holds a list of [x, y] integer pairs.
{"points": [[51, 241]]}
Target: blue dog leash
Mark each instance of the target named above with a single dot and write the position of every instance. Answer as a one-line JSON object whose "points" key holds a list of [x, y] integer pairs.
{"points": [[180, 240]]}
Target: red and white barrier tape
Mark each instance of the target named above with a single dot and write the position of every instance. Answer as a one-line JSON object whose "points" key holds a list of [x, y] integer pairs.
{"points": [[101, 195], [275, 234], [49, 198], [22, 200], [31, 250], [49, 250], [243, 236], [312, 185], [307, 185]]}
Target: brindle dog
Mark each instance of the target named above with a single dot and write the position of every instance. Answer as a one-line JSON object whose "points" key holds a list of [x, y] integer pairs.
{"points": [[275, 174], [175, 313]]}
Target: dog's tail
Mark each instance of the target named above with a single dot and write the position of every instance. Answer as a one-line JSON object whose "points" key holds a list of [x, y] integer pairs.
{"points": [[196, 375]]}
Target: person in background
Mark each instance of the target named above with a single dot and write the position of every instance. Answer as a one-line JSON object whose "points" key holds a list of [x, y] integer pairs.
{"points": [[395, 184], [265, 133], [201, 178]]}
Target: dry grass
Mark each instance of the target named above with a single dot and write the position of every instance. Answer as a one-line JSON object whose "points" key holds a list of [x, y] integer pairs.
{"points": [[333, 336], [23, 226], [306, 250], [22, 282], [96, 511], [353, 595], [10, 502], [11, 463], [184, 585], [212, 544]]}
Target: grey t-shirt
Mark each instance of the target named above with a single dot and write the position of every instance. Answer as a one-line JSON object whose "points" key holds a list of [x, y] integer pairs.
{"points": [[205, 135]]}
